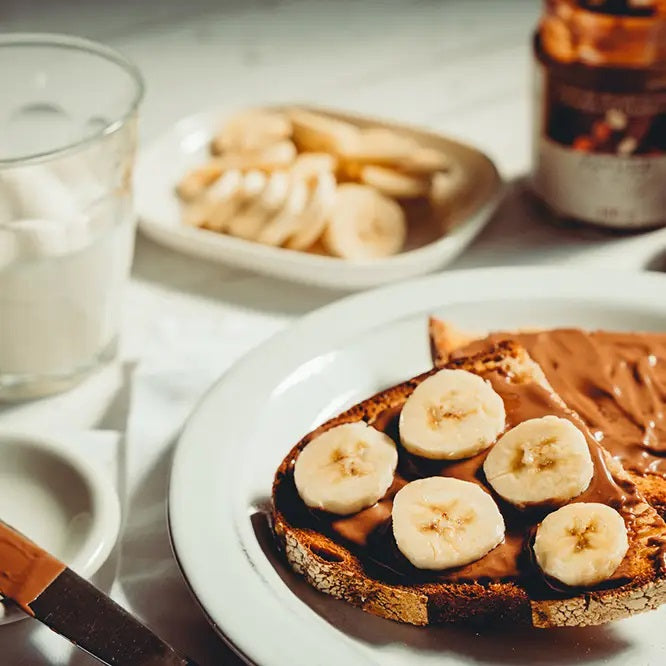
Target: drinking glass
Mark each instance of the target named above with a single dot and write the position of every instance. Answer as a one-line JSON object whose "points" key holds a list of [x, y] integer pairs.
{"points": [[68, 116]]}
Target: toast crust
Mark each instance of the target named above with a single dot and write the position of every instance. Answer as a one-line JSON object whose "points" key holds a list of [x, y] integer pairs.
{"points": [[445, 338], [334, 569]]}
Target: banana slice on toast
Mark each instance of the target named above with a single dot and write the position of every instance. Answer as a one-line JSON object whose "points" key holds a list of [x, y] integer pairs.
{"points": [[544, 460], [440, 522], [581, 544], [346, 468], [451, 415]]}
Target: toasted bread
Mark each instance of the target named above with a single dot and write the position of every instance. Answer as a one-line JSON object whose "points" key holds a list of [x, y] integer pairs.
{"points": [[337, 568], [447, 341]]}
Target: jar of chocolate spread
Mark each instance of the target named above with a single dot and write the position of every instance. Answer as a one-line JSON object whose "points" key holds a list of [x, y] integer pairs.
{"points": [[600, 111]]}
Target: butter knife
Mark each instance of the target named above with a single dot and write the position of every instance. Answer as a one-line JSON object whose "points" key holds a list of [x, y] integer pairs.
{"points": [[44, 588]]}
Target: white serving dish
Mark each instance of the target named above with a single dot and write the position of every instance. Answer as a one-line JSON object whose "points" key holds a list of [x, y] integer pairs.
{"points": [[185, 145]]}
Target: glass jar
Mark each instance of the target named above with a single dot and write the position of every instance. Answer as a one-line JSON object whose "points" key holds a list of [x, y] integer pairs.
{"points": [[68, 116], [600, 111]]}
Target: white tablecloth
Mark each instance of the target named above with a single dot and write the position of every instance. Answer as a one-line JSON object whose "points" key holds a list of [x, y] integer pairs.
{"points": [[461, 67]]}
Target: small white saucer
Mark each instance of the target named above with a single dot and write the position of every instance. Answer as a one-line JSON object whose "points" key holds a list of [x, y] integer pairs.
{"points": [[57, 499]]}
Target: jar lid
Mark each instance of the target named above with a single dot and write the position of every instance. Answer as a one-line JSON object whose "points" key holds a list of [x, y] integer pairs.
{"points": [[630, 33], [604, 78]]}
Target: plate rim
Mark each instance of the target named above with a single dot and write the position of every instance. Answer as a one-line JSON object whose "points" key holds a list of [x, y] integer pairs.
{"points": [[599, 285]]}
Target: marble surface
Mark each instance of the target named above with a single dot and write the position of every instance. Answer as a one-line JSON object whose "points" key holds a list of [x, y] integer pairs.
{"points": [[461, 67]]}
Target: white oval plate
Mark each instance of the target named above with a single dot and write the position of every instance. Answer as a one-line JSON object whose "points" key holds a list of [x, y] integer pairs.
{"points": [[62, 502], [231, 446], [161, 165]]}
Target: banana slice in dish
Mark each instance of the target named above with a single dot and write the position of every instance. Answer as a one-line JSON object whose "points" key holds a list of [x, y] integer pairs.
{"points": [[425, 161], [225, 208], [289, 219], [309, 166], [248, 222], [274, 157], [446, 188], [315, 217], [220, 201], [251, 130], [377, 145], [316, 132], [393, 183], [195, 182], [381, 146], [364, 224]]}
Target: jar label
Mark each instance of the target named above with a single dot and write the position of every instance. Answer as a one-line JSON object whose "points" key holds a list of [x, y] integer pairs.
{"points": [[609, 190], [600, 156]]}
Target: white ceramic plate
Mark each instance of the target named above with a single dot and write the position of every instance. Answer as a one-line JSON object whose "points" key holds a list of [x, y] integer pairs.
{"points": [[65, 504], [231, 446], [161, 165]]}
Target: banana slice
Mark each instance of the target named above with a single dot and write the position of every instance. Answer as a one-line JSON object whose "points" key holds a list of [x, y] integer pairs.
{"points": [[540, 461], [389, 148], [581, 544], [225, 208], [446, 187], [251, 219], [251, 130], [309, 166], [315, 132], [218, 204], [288, 220], [450, 415], [364, 224], [441, 522], [425, 161], [316, 214], [346, 468], [393, 183], [377, 145], [253, 184], [195, 182], [269, 158]]}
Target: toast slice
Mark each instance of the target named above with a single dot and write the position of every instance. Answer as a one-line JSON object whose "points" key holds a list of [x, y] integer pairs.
{"points": [[335, 565], [446, 339], [644, 460]]}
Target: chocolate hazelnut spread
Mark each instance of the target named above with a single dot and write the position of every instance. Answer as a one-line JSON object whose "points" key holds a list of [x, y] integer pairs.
{"points": [[25, 569], [368, 533], [615, 381]]}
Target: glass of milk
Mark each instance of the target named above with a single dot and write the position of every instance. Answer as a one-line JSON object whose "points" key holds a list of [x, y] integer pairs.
{"points": [[68, 113]]}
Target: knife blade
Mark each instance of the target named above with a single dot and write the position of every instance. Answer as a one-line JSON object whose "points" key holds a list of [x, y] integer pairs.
{"points": [[49, 591]]}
